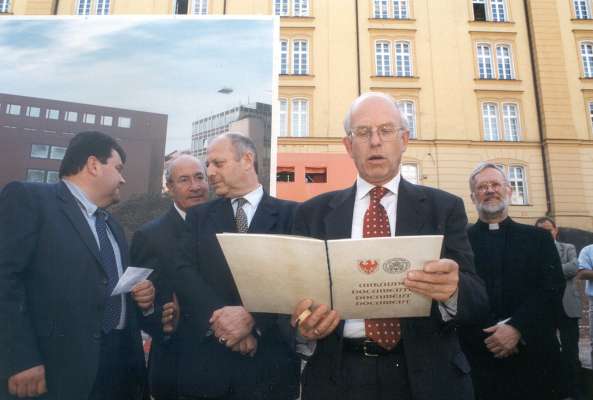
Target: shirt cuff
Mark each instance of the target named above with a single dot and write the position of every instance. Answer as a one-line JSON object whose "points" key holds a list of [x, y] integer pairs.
{"points": [[448, 308], [305, 347], [148, 312]]}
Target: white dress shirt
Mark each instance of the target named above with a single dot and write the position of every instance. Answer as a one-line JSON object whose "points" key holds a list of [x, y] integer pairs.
{"points": [[250, 207]]}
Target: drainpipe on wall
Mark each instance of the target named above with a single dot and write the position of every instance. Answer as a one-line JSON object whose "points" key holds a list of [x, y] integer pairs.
{"points": [[224, 8], [357, 46], [540, 117], [55, 7]]}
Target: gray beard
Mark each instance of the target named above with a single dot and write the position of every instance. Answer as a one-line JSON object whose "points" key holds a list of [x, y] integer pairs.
{"points": [[490, 211]]}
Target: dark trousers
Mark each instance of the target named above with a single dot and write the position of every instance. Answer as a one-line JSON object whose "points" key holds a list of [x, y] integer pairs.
{"points": [[569, 340], [115, 363]]}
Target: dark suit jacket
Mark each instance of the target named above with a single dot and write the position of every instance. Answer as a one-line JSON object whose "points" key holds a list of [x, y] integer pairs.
{"points": [[437, 369], [204, 285], [154, 245], [53, 291]]}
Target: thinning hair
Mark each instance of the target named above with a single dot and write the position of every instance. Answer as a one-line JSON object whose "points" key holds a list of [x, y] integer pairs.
{"points": [[348, 118], [87, 144], [541, 220], [241, 145], [170, 166], [481, 167]]}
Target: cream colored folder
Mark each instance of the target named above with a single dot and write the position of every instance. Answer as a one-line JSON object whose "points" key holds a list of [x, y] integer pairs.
{"points": [[361, 278]]}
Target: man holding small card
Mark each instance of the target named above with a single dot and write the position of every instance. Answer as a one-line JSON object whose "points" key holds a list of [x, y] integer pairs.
{"points": [[61, 254], [388, 358]]}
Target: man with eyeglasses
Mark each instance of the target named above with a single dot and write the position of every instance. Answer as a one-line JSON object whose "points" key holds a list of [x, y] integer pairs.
{"points": [[411, 358], [515, 354], [155, 245]]}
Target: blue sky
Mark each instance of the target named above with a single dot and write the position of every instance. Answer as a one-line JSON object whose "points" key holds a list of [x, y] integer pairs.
{"points": [[168, 65]]}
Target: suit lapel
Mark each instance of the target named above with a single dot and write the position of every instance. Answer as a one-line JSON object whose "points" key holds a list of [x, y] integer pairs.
{"points": [[221, 216], [265, 216], [338, 221], [411, 204], [74, 213]]}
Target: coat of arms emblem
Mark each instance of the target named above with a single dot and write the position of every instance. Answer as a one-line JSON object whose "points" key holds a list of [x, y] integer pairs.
{"points": [[368, 266]]}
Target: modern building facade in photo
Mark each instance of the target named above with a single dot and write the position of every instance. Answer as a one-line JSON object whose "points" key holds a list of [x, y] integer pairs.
{"points": [[35, 132], [507, 81]]}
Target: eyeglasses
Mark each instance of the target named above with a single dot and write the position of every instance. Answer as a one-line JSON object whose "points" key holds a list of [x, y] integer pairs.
{"points": [[386, 132], [483, 187]]}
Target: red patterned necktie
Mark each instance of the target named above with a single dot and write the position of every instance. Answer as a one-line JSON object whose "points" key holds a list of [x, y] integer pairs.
{"points": [[385, 332]]}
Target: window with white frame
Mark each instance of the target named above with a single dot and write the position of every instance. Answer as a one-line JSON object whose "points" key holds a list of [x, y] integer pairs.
{"points": [[403, 58], [380, 9], [71, 116], [13, 109], [283, 105], [299, 118], [4, 6], [57, 152], [295, 8], [199, 7], [484, 54], [124, 122], [300, 55], [33, 112], [283, 57], [383, 58], [35, 175], [409, 171], [504, 60], [106, 120], [408, 109], [509, 120], [581, 9], [39, 150], [51, 113], [83, 7], [88, 118], [400, 9], [587, 58], [397, 9], [518, 183], [102, 7], [52, 177], [490, 121], [490, 10]]}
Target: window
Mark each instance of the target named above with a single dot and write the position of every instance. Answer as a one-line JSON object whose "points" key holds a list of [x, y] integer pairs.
{"points": [[518, 184], [285, 174], [51, 113], [581, 9], [283, 117], [315, 175], [83, 7], [102, 7], [88, 118], [39, 151], [284, 57], [300, 117], [400, 9], [383, 58], [33, 112], [57, 153], [591, 113], [298, 8], [4, 6], [397, 9], [380, 9], [510, 121], [410, 172], [180, 7], [71, 116], [490, 10], [403, 59], [504, 61], [490, 120], [485, 62], [52, 177], [13, 109], [106, 120], [299, 57], [124, 122], [199, 7], [35, 175], [587, 57], [408, 109]]}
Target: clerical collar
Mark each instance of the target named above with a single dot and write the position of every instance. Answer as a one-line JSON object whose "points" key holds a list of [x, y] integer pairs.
{"points": [[496, 226]]}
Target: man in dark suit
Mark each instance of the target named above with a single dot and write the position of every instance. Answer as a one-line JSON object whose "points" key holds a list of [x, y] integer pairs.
{"points": [[154, 245], [228, 353], [418, 358], [567, 319], [514, 354], [61, 255]]}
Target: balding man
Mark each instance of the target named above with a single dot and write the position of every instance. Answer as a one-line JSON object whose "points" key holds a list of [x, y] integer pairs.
{"points": [[407, 358], [155, 245], [227, 352]]}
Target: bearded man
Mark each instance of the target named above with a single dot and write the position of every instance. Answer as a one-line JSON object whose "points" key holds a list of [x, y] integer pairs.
{"points": [[516, 354]]}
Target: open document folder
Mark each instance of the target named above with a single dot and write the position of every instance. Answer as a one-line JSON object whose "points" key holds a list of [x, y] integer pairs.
{"points": [[360, 278]]}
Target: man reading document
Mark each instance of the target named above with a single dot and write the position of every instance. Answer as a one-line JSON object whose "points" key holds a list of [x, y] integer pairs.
{"points": [[389, 358]]}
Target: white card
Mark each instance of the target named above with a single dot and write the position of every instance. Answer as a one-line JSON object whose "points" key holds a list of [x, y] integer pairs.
{"points": [[131, 277]]}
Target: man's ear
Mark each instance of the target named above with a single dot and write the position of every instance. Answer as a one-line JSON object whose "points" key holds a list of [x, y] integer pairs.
{"points": [[473, 197], [92, 165], [347, 141], [248, 159]]}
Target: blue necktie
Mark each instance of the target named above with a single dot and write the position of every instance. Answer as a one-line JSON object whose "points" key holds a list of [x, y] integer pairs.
{"points": [[112, 313]]}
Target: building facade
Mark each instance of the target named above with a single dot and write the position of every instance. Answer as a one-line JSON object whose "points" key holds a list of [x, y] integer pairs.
{"points": [[506, 81], [35, 132]]}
